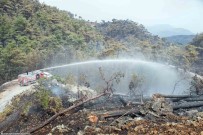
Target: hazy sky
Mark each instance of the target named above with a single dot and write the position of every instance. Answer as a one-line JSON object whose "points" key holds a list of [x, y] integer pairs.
{"points": [[178, 13]]}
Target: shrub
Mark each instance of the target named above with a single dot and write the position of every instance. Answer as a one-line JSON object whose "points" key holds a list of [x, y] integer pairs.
{"points": [[43, 96]]}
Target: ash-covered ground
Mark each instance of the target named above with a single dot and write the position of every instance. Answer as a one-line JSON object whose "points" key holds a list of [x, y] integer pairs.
{"points": [[111, 113]]}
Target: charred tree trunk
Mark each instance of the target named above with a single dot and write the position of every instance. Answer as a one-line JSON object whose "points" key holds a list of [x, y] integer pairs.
{"points": [[188, 105], [185, 98], [177, 96], [194, 99]]}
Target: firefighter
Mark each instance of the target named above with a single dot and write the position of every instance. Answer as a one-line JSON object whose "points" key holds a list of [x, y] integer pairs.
{"points": [[37, 76]]}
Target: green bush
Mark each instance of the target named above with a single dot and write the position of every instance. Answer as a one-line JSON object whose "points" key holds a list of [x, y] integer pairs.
{"points": [[55, 104], [43, 96], [26, 108], [48, 103]]}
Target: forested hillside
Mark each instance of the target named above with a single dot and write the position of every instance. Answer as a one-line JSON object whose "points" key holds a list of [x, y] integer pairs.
{"points": [[31, 33], [34, 35], [142, 44], [133, 36]]}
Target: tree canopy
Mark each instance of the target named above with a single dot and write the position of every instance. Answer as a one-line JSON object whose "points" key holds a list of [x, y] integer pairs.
{"points": [[35, 35]]}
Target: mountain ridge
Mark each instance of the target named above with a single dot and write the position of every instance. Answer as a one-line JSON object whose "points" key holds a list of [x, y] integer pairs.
{"points": [[165, 30], [180, 39]]}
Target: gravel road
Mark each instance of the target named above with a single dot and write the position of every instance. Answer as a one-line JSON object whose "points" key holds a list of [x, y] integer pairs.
{"points": [[9, 92]]}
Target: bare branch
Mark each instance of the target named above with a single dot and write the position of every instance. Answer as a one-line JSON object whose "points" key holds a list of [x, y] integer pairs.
{"points": [[65, 111]]}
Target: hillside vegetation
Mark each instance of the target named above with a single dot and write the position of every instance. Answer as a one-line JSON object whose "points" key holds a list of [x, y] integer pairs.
{"points": [[198, 40], [142, 44], [34, 35], [31, 33], [198, 43]]}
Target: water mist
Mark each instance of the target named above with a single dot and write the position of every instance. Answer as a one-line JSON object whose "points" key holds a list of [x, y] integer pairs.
{"points": [[158, 78]]}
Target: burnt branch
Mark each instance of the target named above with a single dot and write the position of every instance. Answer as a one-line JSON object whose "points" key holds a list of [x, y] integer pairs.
{"points": [[109, 83], [65, 111], [84, 99]]}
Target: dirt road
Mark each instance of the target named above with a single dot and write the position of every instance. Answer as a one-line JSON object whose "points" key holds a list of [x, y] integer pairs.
{"points": [[9, 92]]}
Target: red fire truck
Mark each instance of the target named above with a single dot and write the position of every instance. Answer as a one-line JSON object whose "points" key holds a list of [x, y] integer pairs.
{"points": [[28, 78]]}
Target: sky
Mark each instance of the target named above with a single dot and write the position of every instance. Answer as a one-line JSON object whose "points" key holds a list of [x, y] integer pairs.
{"points": [[186, 14]]}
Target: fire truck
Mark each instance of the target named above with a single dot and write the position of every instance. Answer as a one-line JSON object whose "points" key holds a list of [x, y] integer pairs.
{"points": [[28, 78]]}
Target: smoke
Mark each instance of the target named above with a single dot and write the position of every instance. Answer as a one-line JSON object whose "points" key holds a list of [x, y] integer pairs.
{"points": [[158, 78], [57, 91]]}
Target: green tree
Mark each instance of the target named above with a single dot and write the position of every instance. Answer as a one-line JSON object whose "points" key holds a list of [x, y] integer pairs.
{"points": [[5, 30], [198, 40], [13, 60]]}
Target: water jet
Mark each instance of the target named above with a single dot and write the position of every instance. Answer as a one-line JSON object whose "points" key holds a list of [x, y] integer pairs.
{"points": [[158, 78]]}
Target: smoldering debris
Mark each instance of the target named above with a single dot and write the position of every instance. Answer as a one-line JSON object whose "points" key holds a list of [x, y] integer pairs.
{"points": [[88, 112]]}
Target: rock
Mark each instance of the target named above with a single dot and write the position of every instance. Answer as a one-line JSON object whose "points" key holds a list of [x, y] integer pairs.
{"points": [[199, 114], [138, 118], [191, 113], [158, 105], [162, 105]]}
